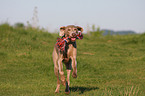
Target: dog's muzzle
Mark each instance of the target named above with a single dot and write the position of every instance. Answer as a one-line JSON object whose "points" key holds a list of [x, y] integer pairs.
{"points": [[73, 38]]}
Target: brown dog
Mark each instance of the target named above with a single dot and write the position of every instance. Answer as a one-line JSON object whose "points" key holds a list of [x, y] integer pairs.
{"points": [[68, 57]]}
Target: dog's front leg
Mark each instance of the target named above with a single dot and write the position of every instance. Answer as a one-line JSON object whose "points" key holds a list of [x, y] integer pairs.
{"points": [[61, 71], [55, 61], [74, 63], [74, 66], [58, 81]]}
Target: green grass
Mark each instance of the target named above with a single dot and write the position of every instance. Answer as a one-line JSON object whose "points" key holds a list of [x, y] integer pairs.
{"points": [[107, 66]]}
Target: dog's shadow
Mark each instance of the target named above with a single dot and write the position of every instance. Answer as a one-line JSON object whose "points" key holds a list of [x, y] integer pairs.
{"points": [[82, 89]]}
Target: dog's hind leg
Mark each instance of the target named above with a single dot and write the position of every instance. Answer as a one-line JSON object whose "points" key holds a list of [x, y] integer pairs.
{"points": [[68, 67], [67, 91], [68, 76]]}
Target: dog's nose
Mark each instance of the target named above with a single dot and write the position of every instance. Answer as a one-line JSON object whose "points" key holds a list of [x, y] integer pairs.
{"points": [[73, 34]]}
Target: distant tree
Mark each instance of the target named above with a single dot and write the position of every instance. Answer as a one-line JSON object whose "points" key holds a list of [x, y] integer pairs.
{"points": [[19, 25], [96, 31]]}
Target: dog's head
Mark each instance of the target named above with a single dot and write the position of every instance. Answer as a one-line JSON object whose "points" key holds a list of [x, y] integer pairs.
{"points": [[70, 31]]}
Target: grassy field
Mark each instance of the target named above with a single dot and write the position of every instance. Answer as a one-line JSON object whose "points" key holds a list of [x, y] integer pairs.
{"points": [[107, 65]]}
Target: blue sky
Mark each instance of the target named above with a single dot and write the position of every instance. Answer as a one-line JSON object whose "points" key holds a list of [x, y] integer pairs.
{"points": [[52, 14]]}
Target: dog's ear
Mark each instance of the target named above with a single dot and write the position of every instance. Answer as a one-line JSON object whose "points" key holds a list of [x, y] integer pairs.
{"points": [[80, 28], [62, 29]]}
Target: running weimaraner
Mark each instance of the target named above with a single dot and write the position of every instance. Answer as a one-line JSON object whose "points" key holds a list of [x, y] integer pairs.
{"points": [[68, 56]]}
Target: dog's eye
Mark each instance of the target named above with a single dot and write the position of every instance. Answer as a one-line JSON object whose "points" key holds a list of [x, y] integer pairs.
{"points": [[68, 29], [75, 29]]}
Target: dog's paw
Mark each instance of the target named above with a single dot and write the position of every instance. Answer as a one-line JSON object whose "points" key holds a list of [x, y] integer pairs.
{"points": [[74, 75], [67, 92], [57, 91]]}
